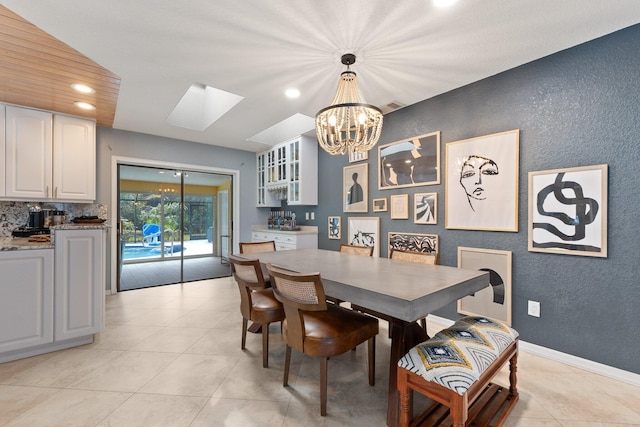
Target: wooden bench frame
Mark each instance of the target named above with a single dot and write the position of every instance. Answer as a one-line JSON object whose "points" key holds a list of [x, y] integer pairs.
{"points": [[480, 404]]}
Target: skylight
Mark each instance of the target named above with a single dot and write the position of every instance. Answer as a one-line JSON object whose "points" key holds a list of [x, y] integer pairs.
{"points": [[201, 106]]}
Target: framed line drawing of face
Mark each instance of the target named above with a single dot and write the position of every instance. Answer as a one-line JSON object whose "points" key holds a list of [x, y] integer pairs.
{"points": [[494, 301], [568, 211], [334, 227], [365, 231], [481, 188], [355, 188], [425, 208], [409, 162]]}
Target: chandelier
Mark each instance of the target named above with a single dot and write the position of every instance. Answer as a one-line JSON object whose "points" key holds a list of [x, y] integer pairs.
{"points": [[348, 124]]}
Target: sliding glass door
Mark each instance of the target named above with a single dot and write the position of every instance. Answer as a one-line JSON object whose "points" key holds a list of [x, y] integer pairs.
{"points": [[171, 225]]}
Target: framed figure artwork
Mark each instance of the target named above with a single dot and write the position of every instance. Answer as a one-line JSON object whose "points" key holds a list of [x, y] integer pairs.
{"points": [[334, 227], [568, 211], [355, 188], [399, 206], [410, 162], [481, 188], [494, 301], [365, 231], [425, 208], [427, 243], [380, 205]]}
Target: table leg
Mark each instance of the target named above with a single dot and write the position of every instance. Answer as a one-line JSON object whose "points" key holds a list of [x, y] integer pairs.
{"points": [[404, 336]]}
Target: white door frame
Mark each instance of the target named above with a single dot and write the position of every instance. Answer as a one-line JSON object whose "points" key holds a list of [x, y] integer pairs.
{"points": [[118, 160]]}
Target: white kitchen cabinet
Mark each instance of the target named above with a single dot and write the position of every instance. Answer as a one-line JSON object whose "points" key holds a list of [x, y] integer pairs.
{"points": [[289, 170], [79, 282], [286, 240], [74, 158], [265, 198], [302, 155], [26, 299], [29, 149], [49, 156]]}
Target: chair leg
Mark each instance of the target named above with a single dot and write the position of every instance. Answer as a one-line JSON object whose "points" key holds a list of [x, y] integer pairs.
{"points": [[265, 345], [423, 323], [372, 360], [244, 333], [323, 385], [287, 363]]}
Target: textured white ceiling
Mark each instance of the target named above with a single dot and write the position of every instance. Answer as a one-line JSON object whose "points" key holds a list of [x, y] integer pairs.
{"points": [[406, 50]]}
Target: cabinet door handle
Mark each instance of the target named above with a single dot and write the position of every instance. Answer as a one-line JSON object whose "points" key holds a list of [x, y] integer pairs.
{"points": [[46, 191], [55, 192]]}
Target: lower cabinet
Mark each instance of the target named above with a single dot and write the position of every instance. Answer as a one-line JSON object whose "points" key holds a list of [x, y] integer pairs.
{"points": [[80, 283], [286, 240], [52, 299], [26, 299]]}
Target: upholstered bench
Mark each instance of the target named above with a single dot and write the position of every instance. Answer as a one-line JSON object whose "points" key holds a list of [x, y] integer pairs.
{"points": [[454, 369]]}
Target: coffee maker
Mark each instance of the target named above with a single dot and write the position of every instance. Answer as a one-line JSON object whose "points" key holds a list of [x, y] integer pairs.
{"points": [[35, 224]]}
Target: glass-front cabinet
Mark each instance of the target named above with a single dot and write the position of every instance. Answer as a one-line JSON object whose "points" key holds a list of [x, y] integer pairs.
{"points": [[288, 171]]}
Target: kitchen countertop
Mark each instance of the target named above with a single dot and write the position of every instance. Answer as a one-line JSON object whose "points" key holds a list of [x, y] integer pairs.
{"points": [[304, 229], [23, 243]]}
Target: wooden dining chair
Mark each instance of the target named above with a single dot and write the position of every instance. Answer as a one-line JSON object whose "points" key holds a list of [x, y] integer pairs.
{"points": [[257, 247], [419, 257], [357, 250], [318, 329], [257, 302]]}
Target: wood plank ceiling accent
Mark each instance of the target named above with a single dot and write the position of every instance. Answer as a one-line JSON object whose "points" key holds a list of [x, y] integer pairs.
{"points": [[37, 70]]}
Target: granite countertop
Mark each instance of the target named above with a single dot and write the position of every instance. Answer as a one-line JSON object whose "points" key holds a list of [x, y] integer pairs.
{"points": [[22, 243], [304, 229]]}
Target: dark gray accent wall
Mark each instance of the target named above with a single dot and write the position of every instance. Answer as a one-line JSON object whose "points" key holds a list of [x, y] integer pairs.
{"points": [[577, 107]]}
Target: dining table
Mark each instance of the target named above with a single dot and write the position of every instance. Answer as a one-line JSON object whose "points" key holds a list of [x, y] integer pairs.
{"points": [[399, 292]]}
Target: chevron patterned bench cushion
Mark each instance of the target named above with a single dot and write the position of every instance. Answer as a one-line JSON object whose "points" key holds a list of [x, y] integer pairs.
{"points": [[456, 356]]}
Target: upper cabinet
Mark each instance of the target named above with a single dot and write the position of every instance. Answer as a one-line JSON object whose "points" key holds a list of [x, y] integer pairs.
{"points": [[288, 171], [49, 156]]}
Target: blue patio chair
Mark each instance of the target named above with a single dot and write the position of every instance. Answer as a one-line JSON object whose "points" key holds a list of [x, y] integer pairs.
{"points": [[151, 235]]}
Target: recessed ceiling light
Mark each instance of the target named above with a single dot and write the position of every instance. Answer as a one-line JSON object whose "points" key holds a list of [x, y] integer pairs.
{"points": [[292, 93], [84, 105], [83, 88], [443, 3]]}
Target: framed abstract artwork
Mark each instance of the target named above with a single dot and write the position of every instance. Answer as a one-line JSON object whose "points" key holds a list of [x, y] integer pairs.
{"points": [[410, 162], [427, 243], [494, 301], [365, 231], [380, 205], [334, 227], [399, 206], [425, 208], [355, 156], [355, 188], [481, 188], [568, 211]]}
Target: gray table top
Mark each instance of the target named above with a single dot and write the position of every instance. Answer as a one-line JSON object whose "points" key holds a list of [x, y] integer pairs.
{"points": [[403, 290]]}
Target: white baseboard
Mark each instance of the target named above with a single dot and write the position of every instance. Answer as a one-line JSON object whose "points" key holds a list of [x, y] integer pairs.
{"points": [[567, 359]]}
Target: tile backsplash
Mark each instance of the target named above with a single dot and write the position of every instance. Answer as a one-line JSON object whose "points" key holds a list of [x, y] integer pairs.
{"points": [[16, 214]]}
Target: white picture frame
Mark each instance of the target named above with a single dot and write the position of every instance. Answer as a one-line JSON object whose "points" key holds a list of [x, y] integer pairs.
{"points": [[494, 301], [365, 231], [568, 211], [399, 206], [481, 188]]}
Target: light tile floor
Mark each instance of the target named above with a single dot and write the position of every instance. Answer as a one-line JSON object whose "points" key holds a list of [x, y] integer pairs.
{"points": [[170, 356]]}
